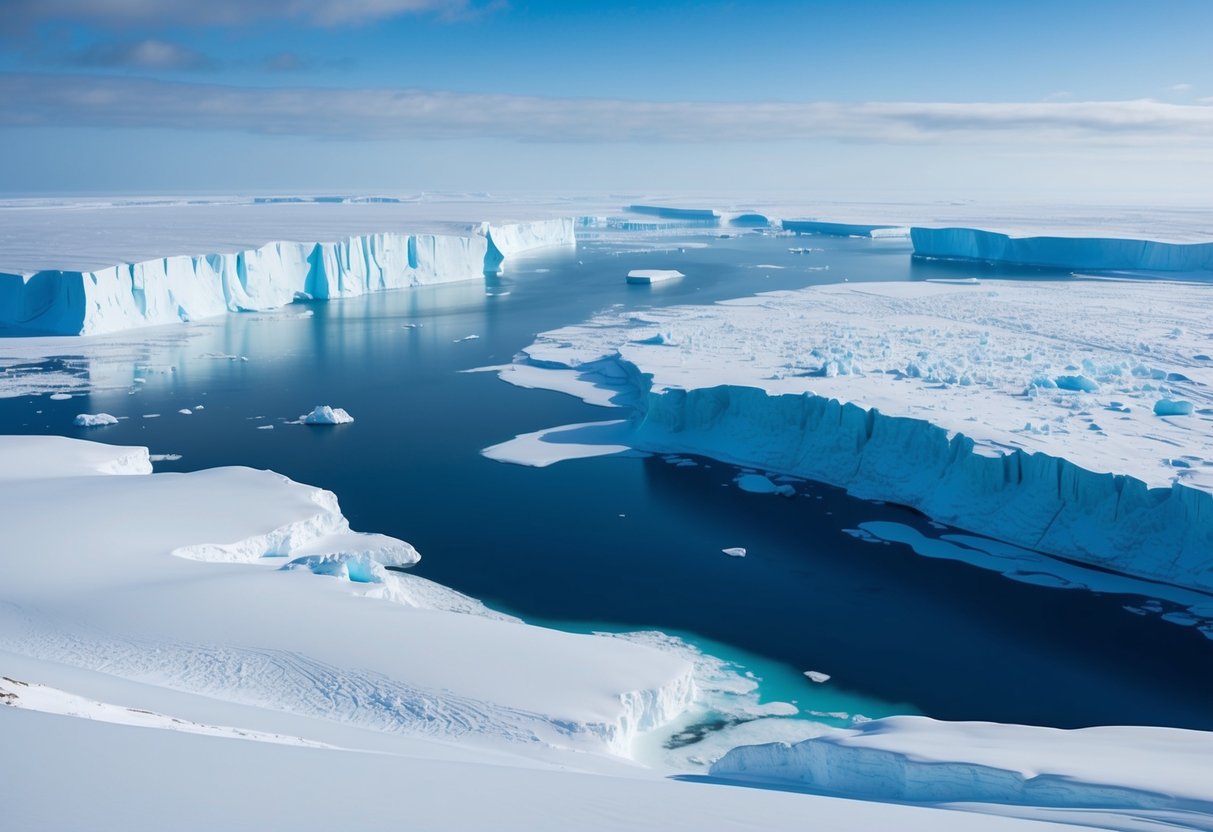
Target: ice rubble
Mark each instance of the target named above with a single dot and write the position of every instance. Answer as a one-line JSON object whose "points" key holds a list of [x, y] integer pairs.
{"points": [[1105, 253], [945, 398], [919, 760], [183, 288]]}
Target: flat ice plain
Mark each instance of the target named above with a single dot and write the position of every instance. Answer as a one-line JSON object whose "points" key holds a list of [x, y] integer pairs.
{"points": [[161, 634]]}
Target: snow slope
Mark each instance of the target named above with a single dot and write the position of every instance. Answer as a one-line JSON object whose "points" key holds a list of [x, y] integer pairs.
{"points": [[1024, 411], [185, 287], [245, 587], [224, 633]]}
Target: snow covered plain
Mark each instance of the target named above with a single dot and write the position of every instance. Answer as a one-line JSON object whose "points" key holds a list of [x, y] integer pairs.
{"points": [[242, 628], [1025, 411], [225, 632]]}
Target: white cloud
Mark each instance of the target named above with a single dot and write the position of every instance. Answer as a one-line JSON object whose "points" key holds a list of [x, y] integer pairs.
{"points": [[63, 100], [143, 54], [121, 13], [1181, 88]]}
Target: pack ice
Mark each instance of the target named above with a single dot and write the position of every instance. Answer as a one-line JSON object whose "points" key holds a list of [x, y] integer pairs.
{"points": [[1068, 417], [189, 287]]}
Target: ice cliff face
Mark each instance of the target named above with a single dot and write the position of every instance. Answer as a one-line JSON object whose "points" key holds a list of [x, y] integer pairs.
{"points": [[506, 241], [918, 760], [183, 288], [1061, 252], [1027, 412]]}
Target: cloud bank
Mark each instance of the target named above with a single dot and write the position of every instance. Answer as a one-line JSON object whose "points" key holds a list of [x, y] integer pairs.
{"points": [[57, 100]]}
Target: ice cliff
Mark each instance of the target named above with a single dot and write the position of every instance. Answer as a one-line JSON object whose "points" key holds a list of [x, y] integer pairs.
{"points": [[183, 288], [1026, 412], [918, 760], [1062, 252]]}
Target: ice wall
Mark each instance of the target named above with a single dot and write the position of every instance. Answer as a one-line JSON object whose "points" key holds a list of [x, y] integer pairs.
{"points": [[670, 213], [918, 760], [183, 288], [1061, 252], [506, 241], [1035, 500], [836, 229]]}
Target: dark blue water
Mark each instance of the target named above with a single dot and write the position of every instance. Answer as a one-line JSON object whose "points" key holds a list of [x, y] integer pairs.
{"points": [[635, 542]]}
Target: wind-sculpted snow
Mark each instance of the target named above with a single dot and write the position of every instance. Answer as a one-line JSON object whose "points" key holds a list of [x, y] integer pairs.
{"points": [[185, 288], [1062, 252], [918, 760], [245, 587], [958, 400]]}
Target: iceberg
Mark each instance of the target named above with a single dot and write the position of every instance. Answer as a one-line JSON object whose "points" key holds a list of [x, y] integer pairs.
{"points": [[1104, 253], [511, 240], [322, 414], [924, 394], [707, 215], [185, 288], [647, 277]]}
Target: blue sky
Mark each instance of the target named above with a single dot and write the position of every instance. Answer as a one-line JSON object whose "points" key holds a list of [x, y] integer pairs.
{"points": [[1076, 100]]}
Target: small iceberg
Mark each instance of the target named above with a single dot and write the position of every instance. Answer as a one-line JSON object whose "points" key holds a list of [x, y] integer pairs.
{"points": [[735, 551], [647, 277], [94, 420], [322, 414], [817, 676]]}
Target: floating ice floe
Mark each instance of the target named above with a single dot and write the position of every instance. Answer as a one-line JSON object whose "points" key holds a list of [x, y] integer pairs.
{"points": [[94, 420], [758, 484], [817, 676], [735, 551], [647, 277]]}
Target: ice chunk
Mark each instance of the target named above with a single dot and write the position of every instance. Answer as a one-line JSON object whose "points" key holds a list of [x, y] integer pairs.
{"points": [[735, 551], [647, 277], [758, 484], [817, 676], [94, 420], [1169, 407], [322, 414]]}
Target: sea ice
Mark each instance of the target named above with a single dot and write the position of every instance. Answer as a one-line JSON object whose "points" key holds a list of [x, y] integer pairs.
{"points": [[735, 551], [758, 484], [817, 676]]}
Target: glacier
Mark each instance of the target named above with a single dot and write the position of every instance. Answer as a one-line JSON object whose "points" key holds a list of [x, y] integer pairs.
{"points": [[190, 287], [941, 397], [1102, 253], [843, 229]]}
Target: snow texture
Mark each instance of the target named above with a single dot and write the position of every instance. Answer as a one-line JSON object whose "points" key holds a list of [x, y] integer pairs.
{"points": [[946, 398]]}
